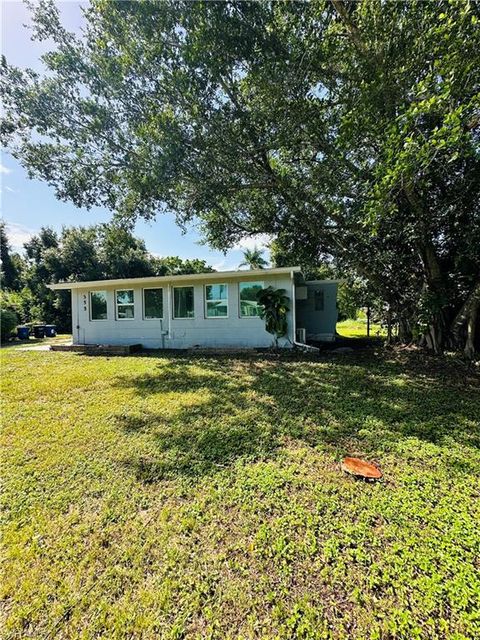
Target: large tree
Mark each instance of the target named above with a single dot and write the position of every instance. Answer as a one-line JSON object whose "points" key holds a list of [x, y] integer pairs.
{"points": [[79, 253], [97, 252], [341, 128], [10, 263]]}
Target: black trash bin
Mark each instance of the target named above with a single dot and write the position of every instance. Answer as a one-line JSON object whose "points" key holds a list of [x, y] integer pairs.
{"points": [[39, 330], [50, 330]]}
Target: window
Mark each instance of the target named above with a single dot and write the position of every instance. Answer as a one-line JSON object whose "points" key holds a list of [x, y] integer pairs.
{"points": [[125, 304], [183, 302], [152, 304], [319, 301], [249, 306], [216, 300], [98, 305]]}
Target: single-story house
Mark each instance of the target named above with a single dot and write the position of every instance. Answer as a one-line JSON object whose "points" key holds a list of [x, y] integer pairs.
{"points": [[216, 309]]}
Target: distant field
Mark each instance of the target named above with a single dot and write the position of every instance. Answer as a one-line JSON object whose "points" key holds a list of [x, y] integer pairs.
{"points": [[201, 498], [358, 328]]}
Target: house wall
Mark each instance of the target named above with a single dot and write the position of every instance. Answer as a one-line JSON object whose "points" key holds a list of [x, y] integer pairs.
{"points": [[234, 331], [319, 324]]}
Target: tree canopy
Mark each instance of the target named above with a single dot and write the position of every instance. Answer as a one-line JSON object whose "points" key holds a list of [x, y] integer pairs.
{"points": [[10, 263], [98, 252], [344, 129]]}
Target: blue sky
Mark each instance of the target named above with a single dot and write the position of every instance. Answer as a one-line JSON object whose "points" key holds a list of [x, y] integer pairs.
{"points": [[28, 205]]}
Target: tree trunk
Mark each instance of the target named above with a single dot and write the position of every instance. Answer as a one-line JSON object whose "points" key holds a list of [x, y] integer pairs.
{"points": [[434, 276], [389, 326], [467, 316], [470, 342], [435, 333], [435, 283], [404, 330], [471, 303]]}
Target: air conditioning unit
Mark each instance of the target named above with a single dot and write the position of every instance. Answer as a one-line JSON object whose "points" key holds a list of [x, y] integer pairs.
{"points": [[301, 335]]}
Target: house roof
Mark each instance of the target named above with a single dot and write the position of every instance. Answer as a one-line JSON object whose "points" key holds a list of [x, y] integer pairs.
{"points": [[325, 281], [205, 277]]}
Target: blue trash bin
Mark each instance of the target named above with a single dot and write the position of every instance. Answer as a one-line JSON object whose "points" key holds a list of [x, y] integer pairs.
{"points": [[23, 333], [50, 330]]}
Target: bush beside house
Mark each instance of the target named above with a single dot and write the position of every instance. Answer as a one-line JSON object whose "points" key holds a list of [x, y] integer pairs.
{"points": [[8, 322]]}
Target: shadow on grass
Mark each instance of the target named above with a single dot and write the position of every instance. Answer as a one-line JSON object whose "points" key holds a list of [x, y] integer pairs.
{"points": [[249, 407], [188, 449]]}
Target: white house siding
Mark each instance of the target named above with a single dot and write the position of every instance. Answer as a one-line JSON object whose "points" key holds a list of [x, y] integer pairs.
{"points": [[234, 331]]}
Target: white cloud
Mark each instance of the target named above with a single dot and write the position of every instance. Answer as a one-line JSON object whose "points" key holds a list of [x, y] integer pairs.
{"points": [[18, 234], [226, 265], [262, 240], [4, 169], [220, 266]]}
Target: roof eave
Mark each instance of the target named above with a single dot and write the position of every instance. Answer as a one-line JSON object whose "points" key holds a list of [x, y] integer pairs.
{"points": [[215, 275]]}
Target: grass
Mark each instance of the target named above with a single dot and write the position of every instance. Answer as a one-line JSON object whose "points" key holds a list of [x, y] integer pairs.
{"points": [[61, 338], [201, 497], [358, 328]]}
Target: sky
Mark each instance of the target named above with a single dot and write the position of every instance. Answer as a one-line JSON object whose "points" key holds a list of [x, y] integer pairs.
{"points": [[27, 205]]}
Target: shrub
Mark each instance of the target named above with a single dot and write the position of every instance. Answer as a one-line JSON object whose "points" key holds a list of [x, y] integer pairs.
{"points": [[20, 302], [8, 322], [274, 309]]}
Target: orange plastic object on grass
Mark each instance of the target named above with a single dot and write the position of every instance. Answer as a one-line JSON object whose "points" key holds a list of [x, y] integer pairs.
{"points": [[358, 467]]}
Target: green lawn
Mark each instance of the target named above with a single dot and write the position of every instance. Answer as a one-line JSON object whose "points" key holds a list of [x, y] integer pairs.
{"points": [[201, 497], [358, 328], [61, 338]]}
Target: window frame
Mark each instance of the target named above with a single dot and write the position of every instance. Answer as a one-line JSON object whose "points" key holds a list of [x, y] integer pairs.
{"points": [[186, 286], [212, 284], [240, 315], [128, 304], [162, 317], [92, 319]]}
